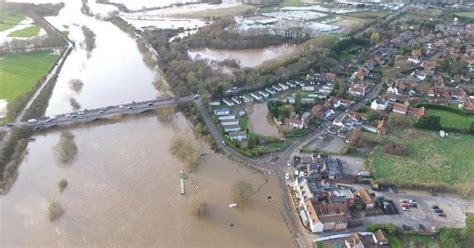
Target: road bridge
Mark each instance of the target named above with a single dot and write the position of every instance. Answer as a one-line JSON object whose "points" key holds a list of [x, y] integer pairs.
{"points": [[86, 116]]}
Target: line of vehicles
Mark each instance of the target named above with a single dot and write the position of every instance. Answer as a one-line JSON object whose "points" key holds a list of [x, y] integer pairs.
{"points": [[74, 115]]}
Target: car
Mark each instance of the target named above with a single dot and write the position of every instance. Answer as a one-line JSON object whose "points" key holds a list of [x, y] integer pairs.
{"points": [[287, 176], [32, 121], [442, 215], [407, 228], [10, 125], [80, 112], [175, 98], [413, 205], [102, 111], [67, 115], [121, 106], [196, 97], [406, 208], [434, 207], [130, 107], [149, 104], [73, 116], [404, 200], [434, 229], [421, 226], [223, 143], [438, 210], [288, 162]]}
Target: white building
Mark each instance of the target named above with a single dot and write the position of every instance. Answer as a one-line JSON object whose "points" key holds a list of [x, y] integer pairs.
{"points": [[379, 105]]}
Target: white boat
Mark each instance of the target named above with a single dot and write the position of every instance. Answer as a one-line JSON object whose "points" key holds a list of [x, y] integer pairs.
{"points": [[233, 205]]}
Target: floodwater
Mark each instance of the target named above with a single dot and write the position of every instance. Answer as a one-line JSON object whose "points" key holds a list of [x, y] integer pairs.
{"points": [[139, 4], [259, 122], [123, 191], [112, 73], [246, 57]]}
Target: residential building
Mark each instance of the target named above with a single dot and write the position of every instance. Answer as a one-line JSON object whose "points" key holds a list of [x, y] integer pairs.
{"points": [[235, 100], [379, 105], [326, 216], [233, 128], [228, 102], [283, 86], [270, 91], [380, 238], [308, 88], [256, 96], [215, 103], [314, 223], [264, 94], [226, 117], [277, 88], [400, 108], [221, 111], [366, 198], [239, 136], [357, 89], [247, 98], [230, 122]]}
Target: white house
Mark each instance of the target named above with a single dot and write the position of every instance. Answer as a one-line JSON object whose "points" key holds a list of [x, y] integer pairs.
{"points": [[308, 88], [230, 122], [379, 105], [237, 101], [270, 91], [263, 93], [226, 117], [393, 90], [277, 88], [239, 136], [215, 103], [256, 96], [228, 103], [314, 223], [283, 86], [233, 128]]}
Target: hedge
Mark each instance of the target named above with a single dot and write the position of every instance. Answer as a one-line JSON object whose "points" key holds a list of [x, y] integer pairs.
{"points": [[389, 229], [442, 107]]}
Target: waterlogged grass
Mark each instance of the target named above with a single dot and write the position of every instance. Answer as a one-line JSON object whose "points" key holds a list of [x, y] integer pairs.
{"points": [[20, 72], [230, 11], [26, 32], [452, 120], [432, 160], [9, 20]]}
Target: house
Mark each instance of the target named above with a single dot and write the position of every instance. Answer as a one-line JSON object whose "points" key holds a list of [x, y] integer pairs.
{"points": [[256, 96], [230, 122], [417, 112], [307, 100], [270, 91], [277, 88], [233, 128], [328, 76], [314, 223], [221, 111], [366, 198], [228, 102], [235, 100], [299, 123], [393, 90], [291, 99], [360, 240], [380, 238], [307, 88], [226, 117], [302, 190], [215, 103], [318, 111], [263, 93], [283, 86], [247, 98], [379, 104], [468, 106], [400, 108], [357, 89], [239, 136]]}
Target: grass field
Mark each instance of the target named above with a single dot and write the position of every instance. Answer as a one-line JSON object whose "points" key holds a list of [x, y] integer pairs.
{"points": [[432, 161], [26, 32], [20, 72], [452, 120], [9, 20], [465, 14]]}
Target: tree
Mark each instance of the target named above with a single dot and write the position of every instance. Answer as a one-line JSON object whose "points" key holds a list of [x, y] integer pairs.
{"points": [[450, 238], [187, 150], [397, 120], [241, 191], [429, 122], [470, 222], [373, 116], [251, 142], [62, 185], [375, 38], [66, 148], [198, 205], [471, 128], [76, 85], [55, 210]]}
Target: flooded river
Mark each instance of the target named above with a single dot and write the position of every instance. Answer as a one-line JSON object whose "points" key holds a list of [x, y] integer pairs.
{"points": [[124, 191], [113, 73], [259, 122], [246, 57]]}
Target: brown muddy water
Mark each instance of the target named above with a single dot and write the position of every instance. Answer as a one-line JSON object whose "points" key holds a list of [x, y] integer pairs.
{"points": [[124, 192], [259, 123], [246, 57]]}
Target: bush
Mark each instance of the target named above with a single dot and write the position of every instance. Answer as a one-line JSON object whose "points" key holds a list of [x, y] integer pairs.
{"points": [[429, 122], [76, 85], [55, 210], [198, 206], [66, 148], [241, 191], [89, 38], [395, 149], [74, 103], [62, 185], [440, 107], [165, 113], [450, 238], [389, 229]]}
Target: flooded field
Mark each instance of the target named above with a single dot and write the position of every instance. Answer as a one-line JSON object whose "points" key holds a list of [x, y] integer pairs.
{"points": [[246, 57], [112, 73], [124, 191], [259, 122]]}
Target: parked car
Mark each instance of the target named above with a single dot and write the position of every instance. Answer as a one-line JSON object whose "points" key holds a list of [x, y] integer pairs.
{"points": [[32, 121], [149, 104], [434, 207], [421, 226], [287, 176], [438, 210], [407, 228], [442, 215]]}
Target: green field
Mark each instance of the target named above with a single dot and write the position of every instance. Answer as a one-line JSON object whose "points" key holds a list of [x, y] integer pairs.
{"points": [[9, 20], [432, 161], [414, 240], [26, 32], [20, 72], [452, 120], [465, 14]]}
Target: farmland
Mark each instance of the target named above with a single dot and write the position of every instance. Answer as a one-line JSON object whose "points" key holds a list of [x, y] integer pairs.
{"points": [[9, 20], [431, 161], [469, 15], [452, 120], [26, 32], [20, 72]]}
